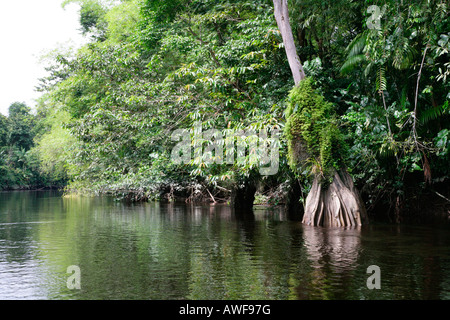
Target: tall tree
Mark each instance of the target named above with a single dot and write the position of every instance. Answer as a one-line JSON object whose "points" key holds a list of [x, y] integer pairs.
{"points": [[314, 137], [3, 130], [282, 17], [20, 126]]}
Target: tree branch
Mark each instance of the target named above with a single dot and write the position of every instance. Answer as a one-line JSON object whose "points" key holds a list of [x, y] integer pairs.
{"points": [[415, 99]]}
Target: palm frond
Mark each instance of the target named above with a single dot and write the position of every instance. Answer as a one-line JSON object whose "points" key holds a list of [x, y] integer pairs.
{"points": [[381, 79], [431, 114], [354, 53], [357, 45], [368, 69], [351, 63]]}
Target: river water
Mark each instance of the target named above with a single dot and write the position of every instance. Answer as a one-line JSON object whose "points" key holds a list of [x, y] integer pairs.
{"points": [[178, 251]]}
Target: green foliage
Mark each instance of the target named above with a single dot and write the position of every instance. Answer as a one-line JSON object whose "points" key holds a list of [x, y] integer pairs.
{"points": [[311, 121], [20, 160], [18, 169], [442, 141], [54, 148], [92, 17], [3, 130], [122, 21], [211, 63], [108, 111], [383, 68], [20, 126]]}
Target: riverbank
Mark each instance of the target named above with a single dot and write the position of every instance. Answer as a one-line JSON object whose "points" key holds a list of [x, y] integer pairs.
{"points": [[428, 205], [30, 188]]}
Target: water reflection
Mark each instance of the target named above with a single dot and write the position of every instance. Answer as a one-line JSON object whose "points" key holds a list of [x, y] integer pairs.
{"points": [[333, 253], [179, 251], [336, 248]]}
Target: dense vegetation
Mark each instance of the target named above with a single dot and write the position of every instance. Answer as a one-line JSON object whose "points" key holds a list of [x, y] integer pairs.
{"points": [[105, 120], [20, 167]]}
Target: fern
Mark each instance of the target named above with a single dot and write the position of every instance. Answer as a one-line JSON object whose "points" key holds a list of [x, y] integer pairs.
{"points": [[431, 114], [381, 80]]}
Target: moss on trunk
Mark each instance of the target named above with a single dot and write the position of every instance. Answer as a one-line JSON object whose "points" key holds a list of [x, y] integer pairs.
{"points": [[316, 145]]}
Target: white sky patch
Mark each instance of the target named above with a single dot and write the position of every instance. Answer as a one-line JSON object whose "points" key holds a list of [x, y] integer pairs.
{"points": [[29, 29]]}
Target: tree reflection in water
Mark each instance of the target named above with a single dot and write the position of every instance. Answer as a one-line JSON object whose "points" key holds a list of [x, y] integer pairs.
{"points": [[333, 255], [177, 251]]}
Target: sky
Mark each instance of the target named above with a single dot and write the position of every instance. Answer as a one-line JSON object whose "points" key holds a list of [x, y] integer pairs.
{"points": [[29, 29]]}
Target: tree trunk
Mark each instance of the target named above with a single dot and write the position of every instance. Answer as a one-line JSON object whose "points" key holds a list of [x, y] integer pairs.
{"points": [[282, 17], [339, 205], [293, 206], [242, 197]]}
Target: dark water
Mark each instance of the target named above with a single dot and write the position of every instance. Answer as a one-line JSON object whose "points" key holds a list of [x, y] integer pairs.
{"points": [[170, 251]]}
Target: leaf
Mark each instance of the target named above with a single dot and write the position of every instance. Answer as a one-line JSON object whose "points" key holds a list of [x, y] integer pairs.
{"points": [[431, 114], [381, 80], [357, 45], [351, 63]]}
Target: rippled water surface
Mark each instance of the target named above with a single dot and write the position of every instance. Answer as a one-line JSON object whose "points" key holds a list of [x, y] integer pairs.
{"points": [[179, 251]]}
